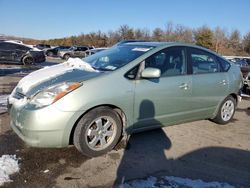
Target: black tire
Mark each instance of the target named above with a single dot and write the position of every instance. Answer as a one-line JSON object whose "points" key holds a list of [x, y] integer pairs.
{"points": [[222, 116], [66, 56], [84, 139], [28, 60], [50, 54]]}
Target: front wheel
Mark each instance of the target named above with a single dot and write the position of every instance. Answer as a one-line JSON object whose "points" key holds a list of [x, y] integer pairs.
{"points": [[98, 132], [226, 111]]}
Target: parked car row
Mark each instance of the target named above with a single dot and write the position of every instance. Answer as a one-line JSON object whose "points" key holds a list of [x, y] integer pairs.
{"points": [[54, 51], [65, 52], [74, 51], [17, 52]]}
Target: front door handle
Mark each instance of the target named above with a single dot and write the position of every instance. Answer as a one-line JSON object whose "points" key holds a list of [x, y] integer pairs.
{"points": [[183, 86], [223, 82]]}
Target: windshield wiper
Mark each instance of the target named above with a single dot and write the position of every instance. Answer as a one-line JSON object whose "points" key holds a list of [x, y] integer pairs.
{"points": [[101, 69]]}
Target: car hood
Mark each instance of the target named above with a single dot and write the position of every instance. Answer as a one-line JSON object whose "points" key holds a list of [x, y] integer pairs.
{"points": [[73, 70]]}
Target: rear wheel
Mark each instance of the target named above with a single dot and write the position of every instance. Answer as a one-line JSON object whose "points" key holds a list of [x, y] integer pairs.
{"points": [[98, 132], [28, 60], [226, 111]]}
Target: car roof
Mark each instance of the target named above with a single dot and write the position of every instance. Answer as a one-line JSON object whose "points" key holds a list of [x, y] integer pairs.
{"points": [[163, 44], [144, 43], [17, 43]]}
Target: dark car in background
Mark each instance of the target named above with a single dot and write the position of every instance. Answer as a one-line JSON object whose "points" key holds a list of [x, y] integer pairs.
{"points": [[42, 46], [74, 51], [54, 51], [14, 52], [244, 66], [247, 60]]}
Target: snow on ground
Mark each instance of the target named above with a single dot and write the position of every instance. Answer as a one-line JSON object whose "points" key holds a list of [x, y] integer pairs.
{"points": [[8, 165], [172, 182], [3, 103]]}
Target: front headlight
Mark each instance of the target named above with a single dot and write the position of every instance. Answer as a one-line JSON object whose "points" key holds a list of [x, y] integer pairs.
{"points": [[53, 94]]}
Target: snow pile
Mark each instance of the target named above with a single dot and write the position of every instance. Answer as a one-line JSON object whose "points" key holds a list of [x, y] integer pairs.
{"points": [[8, 166], [172, 182], [3, 103], [79, 64], [53, 71]]}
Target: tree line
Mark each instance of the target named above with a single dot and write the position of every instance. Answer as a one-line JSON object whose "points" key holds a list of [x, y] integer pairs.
{"points": [[218, 39]]}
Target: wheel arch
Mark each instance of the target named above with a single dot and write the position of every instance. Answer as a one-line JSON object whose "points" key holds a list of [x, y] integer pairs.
{"points": [[235, 96], [23, 56], [118, 110], [66, 54]]}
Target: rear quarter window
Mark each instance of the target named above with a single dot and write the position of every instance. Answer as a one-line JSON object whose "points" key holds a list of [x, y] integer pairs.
{"points": [[225, 65]]}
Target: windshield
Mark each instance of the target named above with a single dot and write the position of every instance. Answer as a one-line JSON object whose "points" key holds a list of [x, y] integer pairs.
{"points": [[72, 48], [116, 57]]}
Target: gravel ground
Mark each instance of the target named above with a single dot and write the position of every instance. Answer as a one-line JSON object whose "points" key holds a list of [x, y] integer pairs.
{"points": [[198, 150]]}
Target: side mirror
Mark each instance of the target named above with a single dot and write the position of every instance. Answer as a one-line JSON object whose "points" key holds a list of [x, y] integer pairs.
{"points": [[151, 73]]}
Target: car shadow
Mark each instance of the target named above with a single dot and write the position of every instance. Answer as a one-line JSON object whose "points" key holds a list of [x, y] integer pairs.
{"points": [[148, 154], [136, 150]]}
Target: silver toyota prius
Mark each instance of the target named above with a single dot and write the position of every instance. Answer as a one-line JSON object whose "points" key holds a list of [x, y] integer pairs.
{"points": [[133, 86]]}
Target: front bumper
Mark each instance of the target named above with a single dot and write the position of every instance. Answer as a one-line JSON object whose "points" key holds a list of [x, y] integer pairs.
{"points": [[40, 59], [46, 127]]}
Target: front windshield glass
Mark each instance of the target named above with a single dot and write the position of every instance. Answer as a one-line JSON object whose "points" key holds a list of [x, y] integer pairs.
{"points": [[116, 57], [72, 48]]}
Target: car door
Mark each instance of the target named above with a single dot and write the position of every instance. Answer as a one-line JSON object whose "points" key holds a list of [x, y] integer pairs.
{"points": [[1, 51], [165, 100], [20, 51], [80, 52], [5, 52], [210, 82]]}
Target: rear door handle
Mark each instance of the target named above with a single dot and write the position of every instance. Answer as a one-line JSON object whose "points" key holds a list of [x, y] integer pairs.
{"points": [[183, 86]]}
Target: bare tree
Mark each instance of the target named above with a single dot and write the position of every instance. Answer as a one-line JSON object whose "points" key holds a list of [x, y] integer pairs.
{"points": [[235, 42], [219, 39], [158, 34], [246, 43], [126, 32], [183, 34]]}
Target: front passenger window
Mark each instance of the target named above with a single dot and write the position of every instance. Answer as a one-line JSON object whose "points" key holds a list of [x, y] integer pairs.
{"points": [[170, 61]]}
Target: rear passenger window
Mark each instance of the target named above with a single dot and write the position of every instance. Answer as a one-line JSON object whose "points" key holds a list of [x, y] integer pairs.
{"points": [[203, 62], [20, 47]]}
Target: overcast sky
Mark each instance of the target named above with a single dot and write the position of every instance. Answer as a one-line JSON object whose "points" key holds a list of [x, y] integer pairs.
{"points": [[45, 19]]}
